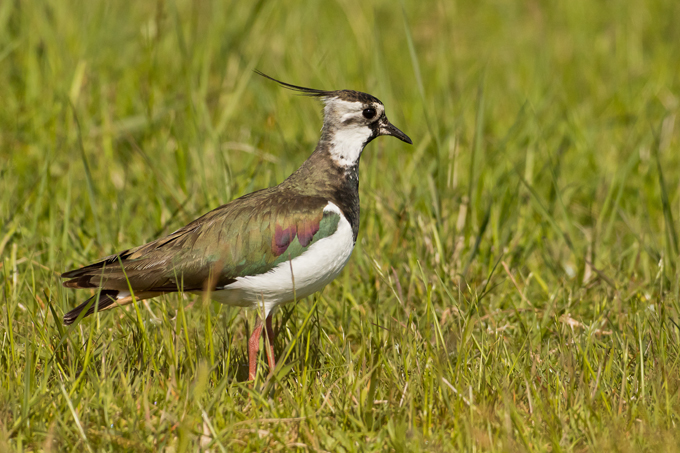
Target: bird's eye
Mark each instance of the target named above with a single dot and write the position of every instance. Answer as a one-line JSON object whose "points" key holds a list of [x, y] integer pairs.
{"points": [[369, 113]]}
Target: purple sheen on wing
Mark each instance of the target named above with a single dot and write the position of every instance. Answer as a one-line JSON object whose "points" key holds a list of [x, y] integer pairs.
{"points": [[282, 239], [306, 232]]}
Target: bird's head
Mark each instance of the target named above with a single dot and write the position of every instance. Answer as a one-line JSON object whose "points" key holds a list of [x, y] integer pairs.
{"points": [[351, 120]]}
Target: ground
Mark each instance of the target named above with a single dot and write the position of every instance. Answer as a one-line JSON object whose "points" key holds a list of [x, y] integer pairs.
{"points": [[516, 282]]}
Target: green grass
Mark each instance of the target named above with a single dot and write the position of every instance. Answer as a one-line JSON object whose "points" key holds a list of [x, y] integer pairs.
{"points": [[516, 283]]}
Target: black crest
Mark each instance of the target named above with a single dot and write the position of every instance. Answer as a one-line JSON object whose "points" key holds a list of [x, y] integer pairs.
{"points": [[302, 90], [345, 95]]}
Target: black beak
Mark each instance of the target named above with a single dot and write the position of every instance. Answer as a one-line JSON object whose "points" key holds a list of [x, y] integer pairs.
{"points": [[387, 128]]}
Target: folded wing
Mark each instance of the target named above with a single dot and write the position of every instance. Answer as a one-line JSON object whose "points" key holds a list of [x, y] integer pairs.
{"points": [[248, 236]]}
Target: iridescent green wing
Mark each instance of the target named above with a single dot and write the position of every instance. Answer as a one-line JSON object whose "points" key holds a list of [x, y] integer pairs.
{"points": [[248, 236]]}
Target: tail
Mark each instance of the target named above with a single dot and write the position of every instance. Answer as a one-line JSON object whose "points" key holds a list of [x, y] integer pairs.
{"points": [[114, 285], [107, 298]]}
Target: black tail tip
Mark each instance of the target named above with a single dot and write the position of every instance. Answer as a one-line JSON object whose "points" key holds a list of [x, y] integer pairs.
{"points": [[106, 299], [70, 317]]}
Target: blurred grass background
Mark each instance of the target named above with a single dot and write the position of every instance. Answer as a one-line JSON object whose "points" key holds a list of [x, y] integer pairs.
{"points": [[515, 285]]}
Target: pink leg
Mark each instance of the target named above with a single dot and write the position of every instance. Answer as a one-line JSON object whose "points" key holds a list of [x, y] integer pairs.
{"points": [[254, 347]]}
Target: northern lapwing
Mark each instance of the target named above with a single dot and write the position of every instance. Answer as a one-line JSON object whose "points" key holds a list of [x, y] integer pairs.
{"points": [[266, 248]]}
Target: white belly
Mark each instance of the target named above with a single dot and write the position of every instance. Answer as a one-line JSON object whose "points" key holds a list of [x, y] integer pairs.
{"points": [[311, 272]]}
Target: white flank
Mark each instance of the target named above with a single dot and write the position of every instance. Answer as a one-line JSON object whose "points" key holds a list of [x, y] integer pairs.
{"points": [[312, 271]]}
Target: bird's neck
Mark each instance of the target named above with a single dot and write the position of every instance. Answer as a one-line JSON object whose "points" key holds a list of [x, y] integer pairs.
{"points": [[332, 171], [334, 162], [344, 145]]}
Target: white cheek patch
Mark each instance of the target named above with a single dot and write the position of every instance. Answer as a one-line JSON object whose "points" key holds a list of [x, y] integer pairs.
{"points": [[347, 117], [349, 136], [358, 112], [348, 145], [343, 110]]}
